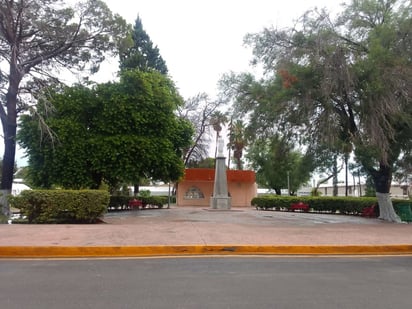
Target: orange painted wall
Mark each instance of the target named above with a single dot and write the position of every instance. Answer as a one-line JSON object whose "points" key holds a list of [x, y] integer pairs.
{"points": [[241, 186]]}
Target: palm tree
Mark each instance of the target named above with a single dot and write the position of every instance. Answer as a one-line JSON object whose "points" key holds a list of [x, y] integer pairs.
{"points": [[217, 120], [237, 141]]}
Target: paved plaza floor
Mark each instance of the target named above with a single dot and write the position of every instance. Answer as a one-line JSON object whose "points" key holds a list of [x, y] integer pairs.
{"points": [[194, 227]]}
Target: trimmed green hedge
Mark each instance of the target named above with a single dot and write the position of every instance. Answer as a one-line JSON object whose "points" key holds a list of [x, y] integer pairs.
{"points": [[61, 206], [119, 202], [343, 205], [157, 201]]}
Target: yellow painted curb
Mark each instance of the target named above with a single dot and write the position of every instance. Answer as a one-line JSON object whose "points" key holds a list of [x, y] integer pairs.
{"points": [[142, 251]]}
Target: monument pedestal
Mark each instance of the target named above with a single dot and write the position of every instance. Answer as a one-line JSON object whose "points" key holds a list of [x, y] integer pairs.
{"points": [[223, 203], [220, 198]]}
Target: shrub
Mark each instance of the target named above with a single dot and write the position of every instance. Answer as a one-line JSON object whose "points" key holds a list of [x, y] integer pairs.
{"points": [[119, 202], [344, 205], [144, 193], [158, 201], [62, 206], [3, 219]]}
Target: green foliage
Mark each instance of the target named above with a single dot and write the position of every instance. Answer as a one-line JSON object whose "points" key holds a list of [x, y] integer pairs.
{"points": [[61, 206], [204, 163], [114, 132], [39, 38], [3, 219], [144, 193], [315, 192], [142, 55], [343, 82], [237, 141], [275, 161], [370, 189], [342, 205], [157, 201], [121, 202]]}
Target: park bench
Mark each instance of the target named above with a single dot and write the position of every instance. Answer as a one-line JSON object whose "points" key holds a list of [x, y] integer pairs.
{"points": [[299, 206]]}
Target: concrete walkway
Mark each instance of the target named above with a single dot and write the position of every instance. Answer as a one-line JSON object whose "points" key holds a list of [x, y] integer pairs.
{"points": [[199, 231]]}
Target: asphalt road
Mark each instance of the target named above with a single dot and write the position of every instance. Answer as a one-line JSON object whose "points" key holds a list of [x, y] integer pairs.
{"points": [[229, 282]]}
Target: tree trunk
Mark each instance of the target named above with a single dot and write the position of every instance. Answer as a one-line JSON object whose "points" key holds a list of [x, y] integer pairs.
{"points": [[386, 209], [346, 174], [5, 209], [8, 167], [383, 179], [136, 189], [335, 178], [9, 123]]}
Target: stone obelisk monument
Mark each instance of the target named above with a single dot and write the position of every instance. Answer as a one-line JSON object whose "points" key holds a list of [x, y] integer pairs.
{"points": [[220, 198]]}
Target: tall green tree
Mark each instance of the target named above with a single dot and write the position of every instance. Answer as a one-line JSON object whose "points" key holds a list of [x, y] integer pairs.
{"points": [[114, 132], [37, 39], [278, 165], [217, 120], [143, 55], [344, 80]]}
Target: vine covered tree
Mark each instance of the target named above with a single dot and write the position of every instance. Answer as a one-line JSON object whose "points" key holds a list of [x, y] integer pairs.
{"points": [[113, 133], [37, 39]]}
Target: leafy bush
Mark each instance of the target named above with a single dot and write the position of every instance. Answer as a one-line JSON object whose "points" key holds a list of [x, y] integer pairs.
{"points": [[3, 219], [158, 201], [61, 206], [119, 202], [144, 193], [344, 205]]}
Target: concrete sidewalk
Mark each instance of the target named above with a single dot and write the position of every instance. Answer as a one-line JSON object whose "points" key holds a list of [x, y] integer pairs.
{"points": [[198, 231]]}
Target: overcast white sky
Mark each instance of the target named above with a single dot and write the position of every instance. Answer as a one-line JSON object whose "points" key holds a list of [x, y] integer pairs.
{"points": [[201, 40]]}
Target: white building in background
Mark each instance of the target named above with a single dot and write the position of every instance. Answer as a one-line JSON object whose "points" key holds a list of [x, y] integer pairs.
{"points": [[18, 186], [155, 190], [401, 191]]}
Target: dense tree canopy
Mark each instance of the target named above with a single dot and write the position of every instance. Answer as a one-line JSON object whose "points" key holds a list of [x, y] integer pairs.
{"points": [[114, 132], [339, 82], [39, 39], [278, 165]]}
